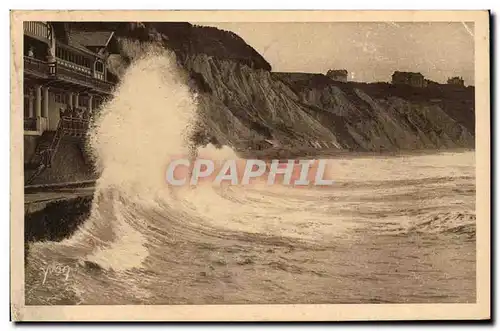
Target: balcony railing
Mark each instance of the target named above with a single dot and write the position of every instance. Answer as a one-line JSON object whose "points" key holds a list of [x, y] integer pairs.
{"points": [[36, 66], [74, 126], [73, 66], [81, 78], [30, 124], [64, 72]]}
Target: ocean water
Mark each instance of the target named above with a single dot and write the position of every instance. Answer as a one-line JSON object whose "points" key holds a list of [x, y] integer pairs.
{"points": [[390, 229]]}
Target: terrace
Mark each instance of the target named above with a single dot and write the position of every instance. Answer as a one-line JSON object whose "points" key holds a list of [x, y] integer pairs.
{"points": [[70, 74]]}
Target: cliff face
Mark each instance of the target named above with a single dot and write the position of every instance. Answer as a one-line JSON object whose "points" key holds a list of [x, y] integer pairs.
{"points": [[381, 116], [259, 105], [242, 101]]}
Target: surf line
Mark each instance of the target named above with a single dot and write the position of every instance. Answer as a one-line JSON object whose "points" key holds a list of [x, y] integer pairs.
{"points": [[243, 172]]}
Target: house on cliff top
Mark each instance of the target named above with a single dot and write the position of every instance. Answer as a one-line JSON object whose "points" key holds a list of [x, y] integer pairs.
{"points": [[65, 81], [458, 81], [415, 79], [338, 75]]}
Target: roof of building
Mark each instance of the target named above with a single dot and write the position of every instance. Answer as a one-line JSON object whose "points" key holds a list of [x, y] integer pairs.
{"points": [[338, 72], [405, 73], [81, 40], [91, 38], [79, 46]]}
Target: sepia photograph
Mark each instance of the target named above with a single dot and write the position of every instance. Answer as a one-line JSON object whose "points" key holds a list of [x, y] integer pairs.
{"points": [[219, 165]]}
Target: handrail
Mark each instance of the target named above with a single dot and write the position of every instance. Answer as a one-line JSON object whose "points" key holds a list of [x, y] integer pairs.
{"points": [[74, 123], [31, 59], [66, 71], [51, 151], [66, 124], [40, 66]]}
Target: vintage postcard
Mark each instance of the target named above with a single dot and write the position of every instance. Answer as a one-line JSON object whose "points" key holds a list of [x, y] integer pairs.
{"points": [[250, 166]]}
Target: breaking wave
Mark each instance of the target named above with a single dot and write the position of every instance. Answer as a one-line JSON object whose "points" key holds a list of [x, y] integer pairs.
{"points": [[143, 235]]}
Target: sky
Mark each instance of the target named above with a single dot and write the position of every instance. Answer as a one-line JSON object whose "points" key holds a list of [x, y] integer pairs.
{"points": [[370, 51]]}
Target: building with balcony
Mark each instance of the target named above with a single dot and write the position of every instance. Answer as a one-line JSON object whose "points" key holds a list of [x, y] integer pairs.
{"points": [[65, 81]]}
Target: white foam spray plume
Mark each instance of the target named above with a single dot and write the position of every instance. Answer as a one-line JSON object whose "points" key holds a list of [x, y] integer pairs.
{"points": [[148, 122], [140, 130]]}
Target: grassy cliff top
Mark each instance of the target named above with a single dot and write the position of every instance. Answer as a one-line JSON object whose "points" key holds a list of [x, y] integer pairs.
{"points": [[184, 39]]}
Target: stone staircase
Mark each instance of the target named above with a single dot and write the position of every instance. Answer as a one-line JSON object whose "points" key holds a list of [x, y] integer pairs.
{"points": [[49, 142], [44, 153]]}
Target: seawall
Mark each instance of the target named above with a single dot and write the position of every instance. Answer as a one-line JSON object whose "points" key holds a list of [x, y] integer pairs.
{"points": [[55, 214]]}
